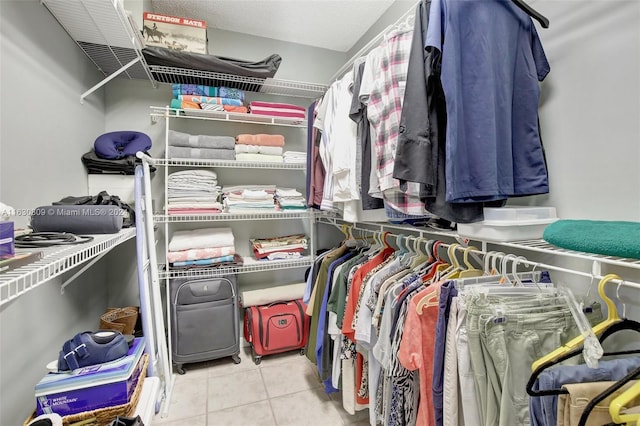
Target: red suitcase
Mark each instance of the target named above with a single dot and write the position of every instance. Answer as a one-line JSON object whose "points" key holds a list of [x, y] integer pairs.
{"points": [[277, 327]]}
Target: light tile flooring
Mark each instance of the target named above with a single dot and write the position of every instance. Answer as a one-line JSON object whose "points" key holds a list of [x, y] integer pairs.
{"points": [[283, 390]]}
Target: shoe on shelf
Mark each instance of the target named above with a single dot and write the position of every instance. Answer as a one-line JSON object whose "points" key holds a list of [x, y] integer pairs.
{"points": [[90, 348]]}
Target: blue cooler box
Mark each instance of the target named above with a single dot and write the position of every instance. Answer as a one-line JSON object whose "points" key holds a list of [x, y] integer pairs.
{"points": [[92, 387]]}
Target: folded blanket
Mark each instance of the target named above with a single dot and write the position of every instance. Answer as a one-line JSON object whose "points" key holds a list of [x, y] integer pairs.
{"points": [[209, 100], [191, 211], [277, 109], [224, 108], [203, 253], [178, 104], [260, 139], [240, 188], [612, 238], [200, 141], [193, 173], [281, 293], [194, 89], [231, 93], [236, 260], [201, 238], [205, 153], [258, 149]]}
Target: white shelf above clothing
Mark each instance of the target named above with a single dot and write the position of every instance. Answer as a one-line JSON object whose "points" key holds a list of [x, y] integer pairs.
{"points": [[250, 265], [233, 117], [107, 35], [222, 217], [196, 162], [57, 260]]}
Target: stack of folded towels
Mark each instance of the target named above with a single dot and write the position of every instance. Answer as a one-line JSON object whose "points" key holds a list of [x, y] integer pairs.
{"points": [[277, 109], [193, 192], [295, 157], [288, 247], [249, 198], [260, 148], [290, 199], [184, 145], [193, 96], [206, 247]]}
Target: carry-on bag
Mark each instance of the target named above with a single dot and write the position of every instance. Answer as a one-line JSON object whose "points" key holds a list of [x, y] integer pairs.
{"points": [[204, 320], [275, 328]]}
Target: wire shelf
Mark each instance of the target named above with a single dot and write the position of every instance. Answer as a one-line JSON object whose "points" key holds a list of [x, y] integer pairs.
{"points": [[221, 217], [250, 265], [269, 86], [56, 261], [198, 114], [195, 162]]}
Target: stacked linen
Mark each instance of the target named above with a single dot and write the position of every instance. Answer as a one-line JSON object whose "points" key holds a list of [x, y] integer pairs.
{"points": [[204, 247], [277, 109], [193, 192], [193, 96], [295, 157], [277, 248], [249, 198], [290, 199], [184, 145], [259, 148]]}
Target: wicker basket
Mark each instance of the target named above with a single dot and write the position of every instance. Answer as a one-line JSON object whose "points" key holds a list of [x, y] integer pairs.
{"points": [[104, 416]]}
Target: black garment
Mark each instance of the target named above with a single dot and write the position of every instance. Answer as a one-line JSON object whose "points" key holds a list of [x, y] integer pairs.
{"points": [[358, 113], [122, 166], [421, 152]]}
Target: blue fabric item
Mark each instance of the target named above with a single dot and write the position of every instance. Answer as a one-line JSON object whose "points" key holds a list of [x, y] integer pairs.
{"points": [[447, 292], [396, 217], [115, 145], [89, 348], [322, 319], [543, 409], [311, 278], [410, 283], [493, 147]]}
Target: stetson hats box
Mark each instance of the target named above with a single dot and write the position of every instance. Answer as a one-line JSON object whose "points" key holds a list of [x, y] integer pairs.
{"points": [[176, 33], [92, 387]]}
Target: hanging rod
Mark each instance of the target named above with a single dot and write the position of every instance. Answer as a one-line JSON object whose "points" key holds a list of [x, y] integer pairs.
{"points": [[521, 260]]}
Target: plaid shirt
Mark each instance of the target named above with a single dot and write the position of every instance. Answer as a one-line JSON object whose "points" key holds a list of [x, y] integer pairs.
{"points": [[384, 111]]}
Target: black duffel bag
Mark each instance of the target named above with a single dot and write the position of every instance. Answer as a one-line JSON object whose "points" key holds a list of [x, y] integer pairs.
{"points": [[103, 199]]}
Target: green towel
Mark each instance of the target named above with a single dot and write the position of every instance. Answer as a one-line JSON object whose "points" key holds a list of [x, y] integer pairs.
{"points": [[612, 238]]}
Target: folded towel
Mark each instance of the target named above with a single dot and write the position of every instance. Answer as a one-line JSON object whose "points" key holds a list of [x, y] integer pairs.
{"points": [[258, 149], [230, 93], [194, 89], [233, 108], [277, 109], [201, 238], [194, 173], [260, 139], [210, 100], [203, 253], [261, 158], [240, 188], [178, 104], [201, 141], [281, 293], [224, 261], [204, 153], [612, 238]]}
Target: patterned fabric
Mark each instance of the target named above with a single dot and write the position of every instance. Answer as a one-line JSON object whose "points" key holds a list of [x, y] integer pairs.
{"points": [[384, 111]]}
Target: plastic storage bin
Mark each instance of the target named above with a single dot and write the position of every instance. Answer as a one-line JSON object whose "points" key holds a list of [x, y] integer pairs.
{"points": [[511, 223]]}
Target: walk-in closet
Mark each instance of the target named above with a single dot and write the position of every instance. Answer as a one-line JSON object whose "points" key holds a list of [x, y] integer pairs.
{"points": [[418, 308]]}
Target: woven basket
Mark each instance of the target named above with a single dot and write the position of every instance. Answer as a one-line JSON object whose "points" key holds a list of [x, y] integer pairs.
{"points": [[104, 416]]}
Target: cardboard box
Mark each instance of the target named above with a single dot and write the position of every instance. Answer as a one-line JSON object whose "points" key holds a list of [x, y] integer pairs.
{"points": [[172, 32], [92, 387], [6, 239]]}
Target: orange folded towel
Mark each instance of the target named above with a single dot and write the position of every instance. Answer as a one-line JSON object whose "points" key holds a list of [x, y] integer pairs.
{"points": [[233, 108], [260, 139]]}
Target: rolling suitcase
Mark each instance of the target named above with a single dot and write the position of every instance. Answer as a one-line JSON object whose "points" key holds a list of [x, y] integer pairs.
{"points": [[204, 320], [275, 328]]}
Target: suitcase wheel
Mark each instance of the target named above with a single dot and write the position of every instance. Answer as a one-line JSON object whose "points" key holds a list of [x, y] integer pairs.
{"points": [[257, 360], [180, 370], [236, 358], [303, 351]]}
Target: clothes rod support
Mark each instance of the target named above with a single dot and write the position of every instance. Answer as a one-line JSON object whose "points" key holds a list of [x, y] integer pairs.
{"points": [[81, 271], [108, 79]]}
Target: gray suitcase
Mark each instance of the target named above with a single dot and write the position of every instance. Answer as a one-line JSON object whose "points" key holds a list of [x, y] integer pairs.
{"points": [[204, 320]]}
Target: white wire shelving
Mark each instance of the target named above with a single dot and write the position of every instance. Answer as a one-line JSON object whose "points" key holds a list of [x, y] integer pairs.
{"points": [[56, 261], [107, 35], [250, 265], [222, 217], [233, 117], [195, 162]]}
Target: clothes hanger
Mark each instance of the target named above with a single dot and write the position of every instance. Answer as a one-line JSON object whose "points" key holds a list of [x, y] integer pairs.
{"points": [[471, 270], [532, 12], [421, 257], [587, 344], [618, 403]]}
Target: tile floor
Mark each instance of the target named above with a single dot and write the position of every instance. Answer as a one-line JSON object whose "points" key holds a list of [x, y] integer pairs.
{"points": [[282, 391]]}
